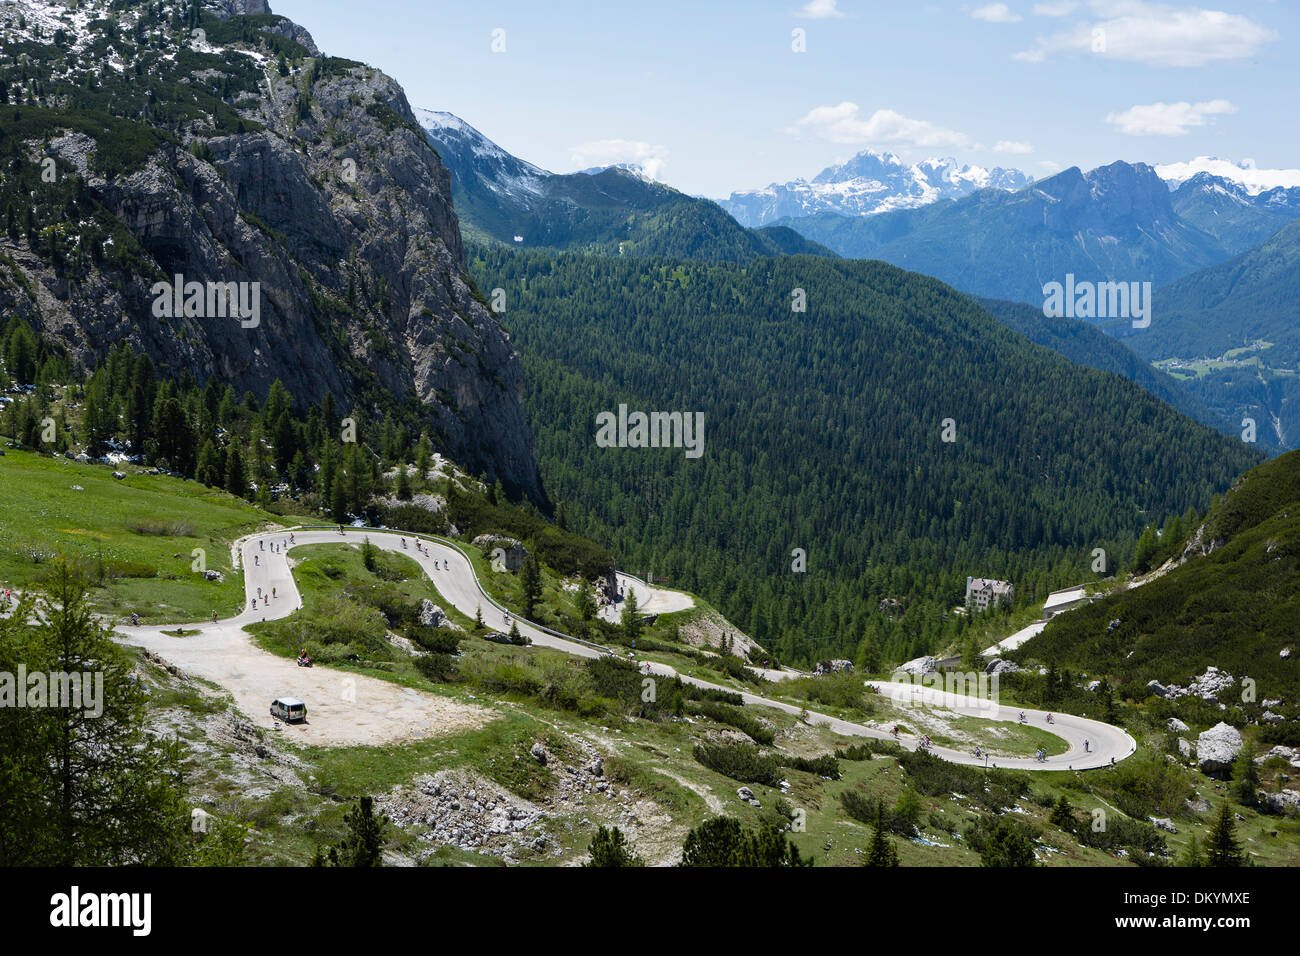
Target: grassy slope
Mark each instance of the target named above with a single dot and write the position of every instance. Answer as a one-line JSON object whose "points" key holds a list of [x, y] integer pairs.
{"points": [[142, 529]]}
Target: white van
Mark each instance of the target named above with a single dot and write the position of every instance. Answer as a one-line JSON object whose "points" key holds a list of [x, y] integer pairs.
{"points": [[289, 709]]}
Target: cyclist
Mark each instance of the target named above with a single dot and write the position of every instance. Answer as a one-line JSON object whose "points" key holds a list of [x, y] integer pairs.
{"points": [[1022, 716], [1087, 745], [1049, 718]]}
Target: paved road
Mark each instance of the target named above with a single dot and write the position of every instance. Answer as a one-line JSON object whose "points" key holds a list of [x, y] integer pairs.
{"points": [[649, 600], [454, 577]]}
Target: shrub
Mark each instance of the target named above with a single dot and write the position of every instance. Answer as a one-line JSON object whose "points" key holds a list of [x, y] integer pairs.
{"points": [[741, 762], [436, 667]]}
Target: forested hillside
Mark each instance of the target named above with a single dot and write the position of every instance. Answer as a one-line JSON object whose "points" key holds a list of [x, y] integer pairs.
{"points": [[1085, 344], [824, 431], [1235, 607]]}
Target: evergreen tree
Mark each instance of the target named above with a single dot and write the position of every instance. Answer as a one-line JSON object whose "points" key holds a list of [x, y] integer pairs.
{"points": [[236, 477], [610, 848], [1221, 847], [1193, 854], [85, 782], [631, 617], [363, 843], [1063, 815], [1245, 778], [882, 851], [530, 579]]}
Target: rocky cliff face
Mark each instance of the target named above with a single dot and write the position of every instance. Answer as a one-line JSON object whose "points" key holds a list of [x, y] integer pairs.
{"points": [[273, 165]]}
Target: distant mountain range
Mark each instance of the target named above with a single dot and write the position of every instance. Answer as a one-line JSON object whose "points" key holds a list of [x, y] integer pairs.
{"points": [[1119, 223], [614, 209], [868, 184]]}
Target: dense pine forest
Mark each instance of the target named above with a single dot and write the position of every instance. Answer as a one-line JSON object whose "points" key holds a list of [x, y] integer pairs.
{"points": [[825, 431]]}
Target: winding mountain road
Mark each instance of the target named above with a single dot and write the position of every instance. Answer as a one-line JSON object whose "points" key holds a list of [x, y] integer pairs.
{"points": [[223, 652]]}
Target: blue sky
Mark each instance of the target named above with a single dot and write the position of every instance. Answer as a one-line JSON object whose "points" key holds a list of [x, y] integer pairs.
{"points": [[712, 97]]}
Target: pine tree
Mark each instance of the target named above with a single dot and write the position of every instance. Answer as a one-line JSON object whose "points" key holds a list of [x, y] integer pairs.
{"points": [[85, 782], [882, 851], [530, 579], [1221, 847], [1193, 854], [236, 478], [1063, 815], [1245, 778], [631, 618], [363, 844], [610, 848]]}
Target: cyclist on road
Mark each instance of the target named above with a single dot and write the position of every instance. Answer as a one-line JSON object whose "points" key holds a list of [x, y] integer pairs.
{"points": [[1087, 745]]}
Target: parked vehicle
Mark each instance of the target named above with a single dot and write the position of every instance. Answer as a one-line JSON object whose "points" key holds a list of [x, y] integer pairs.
{"points": [[289, 709]]}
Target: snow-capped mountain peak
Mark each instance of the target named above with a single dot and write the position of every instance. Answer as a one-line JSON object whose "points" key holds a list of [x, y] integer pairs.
{"points": [[1245, 174], [869, 183]]}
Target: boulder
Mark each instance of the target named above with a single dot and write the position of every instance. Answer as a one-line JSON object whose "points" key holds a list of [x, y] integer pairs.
{"points": [[998, 667], [1217, 748], [920, 666], [433, 616], [1164, 823], [211, 575], [1269, 717], [1287, 801], [837, 666], [538, 752], [1184, 748], [1176, 726], [1284, 653], [1160, 690], [745, 794], [1091, 686]]}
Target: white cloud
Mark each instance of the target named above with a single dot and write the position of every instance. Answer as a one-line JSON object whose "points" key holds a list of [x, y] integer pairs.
{"points": [[1168, 119], [1255, 180], [1011, 146], [996, 13], [1049, 167], [1155, 33], [1056, 8], [821, 10], [845, 124], [607, 152]]}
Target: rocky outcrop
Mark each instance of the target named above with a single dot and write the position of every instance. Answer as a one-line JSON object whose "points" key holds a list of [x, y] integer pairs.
{"points": [[1286, 801], [1207, 686], [331, 199], [431, 615], [998, 667], [1217, 748], [512, 553]]}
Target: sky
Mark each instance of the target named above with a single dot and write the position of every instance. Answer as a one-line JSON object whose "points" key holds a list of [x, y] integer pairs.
{"points": [[716, 96]]}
